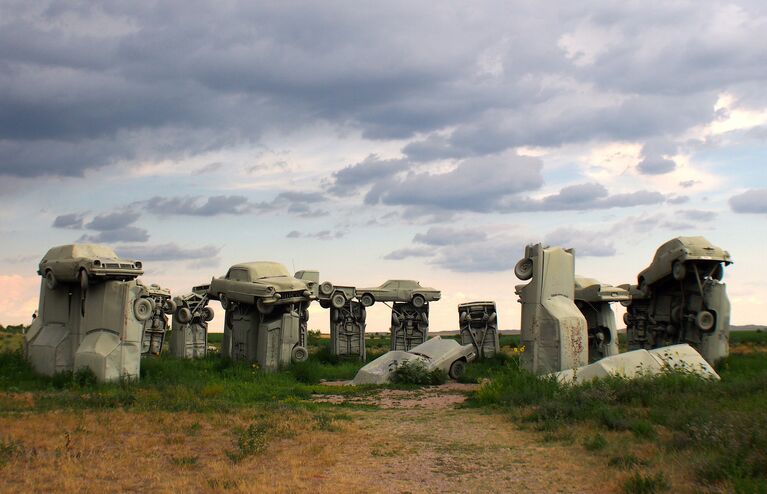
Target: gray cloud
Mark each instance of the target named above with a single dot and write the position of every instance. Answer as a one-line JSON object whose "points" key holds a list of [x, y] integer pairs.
{"points": [[490, 256], [84, 87], [368, 171], [320, 235], [678, 199], [194, 206], [474, 185], [688, 183], [113, 221], [583, 197], [585, 243], [656, 166], [698, 215], [441, 236], [167, 252], [399, 254], [750, 201], [124, 234], [72, 221]]}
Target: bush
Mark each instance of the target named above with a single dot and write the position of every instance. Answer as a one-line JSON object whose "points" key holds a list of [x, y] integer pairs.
{"points": [[416, 372], [640, 483]]}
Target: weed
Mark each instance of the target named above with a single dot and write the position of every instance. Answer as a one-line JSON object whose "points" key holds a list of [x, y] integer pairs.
{"points": [[416, 372], [640, 483], [9, 450], [596, 442], [184, 461], [249, 442], [627, 462]]}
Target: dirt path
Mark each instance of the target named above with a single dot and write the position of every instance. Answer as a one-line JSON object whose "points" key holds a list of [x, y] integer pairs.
{"points": [[424, 441], [415, 441]]}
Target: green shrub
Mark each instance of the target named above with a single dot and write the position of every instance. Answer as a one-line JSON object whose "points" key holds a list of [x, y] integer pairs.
{"points": [[595, 443], [416, 372], [640, 483]]}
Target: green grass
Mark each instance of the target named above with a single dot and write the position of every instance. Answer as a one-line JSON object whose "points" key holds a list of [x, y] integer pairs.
{"points": [[166, 383], [757, 337], [723, 425]]}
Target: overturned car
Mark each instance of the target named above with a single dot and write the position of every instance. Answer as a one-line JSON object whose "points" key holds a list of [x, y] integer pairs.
{"points": [[435, 353]]}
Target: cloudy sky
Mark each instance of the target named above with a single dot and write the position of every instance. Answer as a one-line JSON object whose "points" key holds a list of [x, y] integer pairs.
{"points": [[383, 140]]}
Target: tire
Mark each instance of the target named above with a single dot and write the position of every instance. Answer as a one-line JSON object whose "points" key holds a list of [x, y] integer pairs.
{"points": [[208, 314], [367, 300], [395, 321], [493, 319], [457, 369], [678, 270], [299, 354], [264, 308], [524, 269], [50, 280], [418, 301], [338, 300], [463, 317], [718, 272], [705, 321], [225, 303], [170, 306], [83, 279], [326, 288], [324, 304], [143, 308], [184, 315], [626, 318]]}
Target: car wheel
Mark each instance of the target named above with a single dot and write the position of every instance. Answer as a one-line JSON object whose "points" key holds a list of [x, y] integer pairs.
{"points": [[170, 306], [463, 317], [225, 303], [626, 318], [264, 308], [718, 272], [326, 288], [418, 301], [184, 315], [324, 304], [208, 314], [50, 280], [338, 300], [493, 319], [143, 309], [678, 271], [524, 269], [299, 354], [457, 369], [395, 320], [367, 300], [705, 321]]}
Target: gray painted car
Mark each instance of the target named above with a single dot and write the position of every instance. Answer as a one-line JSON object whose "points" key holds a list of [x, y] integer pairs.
{"points": [[84, 263], [435, 353], [409, 291], [264, 284], [674, 257]]}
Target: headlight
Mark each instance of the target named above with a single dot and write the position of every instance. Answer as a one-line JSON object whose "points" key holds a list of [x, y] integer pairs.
{"points": [[97, 263], [138, 264], [271, 290]]}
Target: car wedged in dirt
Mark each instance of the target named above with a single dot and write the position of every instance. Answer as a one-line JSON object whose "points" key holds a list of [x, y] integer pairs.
{"points": [[677, 255], [84, 263], [262, 283], [436, 353], [408, 291]]}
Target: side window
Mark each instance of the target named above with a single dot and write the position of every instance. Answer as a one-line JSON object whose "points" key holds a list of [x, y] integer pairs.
{"points": [[239, 275]]}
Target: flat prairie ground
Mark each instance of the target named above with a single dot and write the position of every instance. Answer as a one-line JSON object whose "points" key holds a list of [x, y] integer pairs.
{"points": [[212, 426], [410, 441]]}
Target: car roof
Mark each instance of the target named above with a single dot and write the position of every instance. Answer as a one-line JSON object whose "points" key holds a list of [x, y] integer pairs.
{"points": [[71, 251], [263, 269]]}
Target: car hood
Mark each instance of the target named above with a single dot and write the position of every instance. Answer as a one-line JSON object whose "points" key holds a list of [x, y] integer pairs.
{"points": [[283, 283]]}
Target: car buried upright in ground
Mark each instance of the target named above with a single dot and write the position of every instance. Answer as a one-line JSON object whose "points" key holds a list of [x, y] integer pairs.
{"points": [[85, 263], [262, 283], [408, 291]]}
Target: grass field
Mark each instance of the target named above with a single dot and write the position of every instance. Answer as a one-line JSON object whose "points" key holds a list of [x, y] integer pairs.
{"points": [[668, 432]]}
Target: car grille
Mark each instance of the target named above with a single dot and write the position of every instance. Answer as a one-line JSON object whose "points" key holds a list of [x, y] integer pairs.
{"points": [[115, 265], [297, 293]]}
